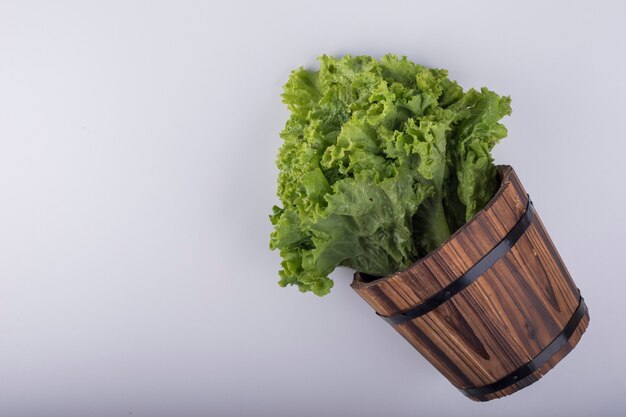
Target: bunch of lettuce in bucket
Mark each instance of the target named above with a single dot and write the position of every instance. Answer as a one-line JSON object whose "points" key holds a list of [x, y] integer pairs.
{"points": [[386, 168]]}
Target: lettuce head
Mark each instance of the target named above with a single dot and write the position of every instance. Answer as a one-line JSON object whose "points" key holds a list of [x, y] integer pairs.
{"points": [[382, 161]]}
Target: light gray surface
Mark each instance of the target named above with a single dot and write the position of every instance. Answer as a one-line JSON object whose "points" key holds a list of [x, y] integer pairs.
{"points": [[137, 148]]}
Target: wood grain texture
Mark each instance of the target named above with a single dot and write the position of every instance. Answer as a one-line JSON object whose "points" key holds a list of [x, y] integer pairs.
{"points": [[502, 320]]}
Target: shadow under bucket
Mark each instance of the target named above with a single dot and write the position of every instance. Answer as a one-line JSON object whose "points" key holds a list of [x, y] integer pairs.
{"points": [[494, 307]]}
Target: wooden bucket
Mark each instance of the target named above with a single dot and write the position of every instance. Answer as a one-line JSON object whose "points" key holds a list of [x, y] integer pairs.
{"points": [[494, 308]]}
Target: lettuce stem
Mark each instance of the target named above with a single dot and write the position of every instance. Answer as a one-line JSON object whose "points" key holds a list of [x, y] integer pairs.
{"points": [[434, 223]]}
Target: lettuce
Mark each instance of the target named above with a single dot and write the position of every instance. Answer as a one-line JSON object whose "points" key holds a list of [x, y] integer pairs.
{"points": [[382, 161]]}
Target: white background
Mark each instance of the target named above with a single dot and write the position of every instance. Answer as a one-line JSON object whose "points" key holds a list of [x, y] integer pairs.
{"points": [[137, 148]]}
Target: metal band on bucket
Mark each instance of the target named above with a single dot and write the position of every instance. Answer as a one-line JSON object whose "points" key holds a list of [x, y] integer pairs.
{"points": [[471, 275]]}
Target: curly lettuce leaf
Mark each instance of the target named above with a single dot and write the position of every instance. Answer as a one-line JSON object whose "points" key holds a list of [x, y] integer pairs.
{"points": [[477, 132]]}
